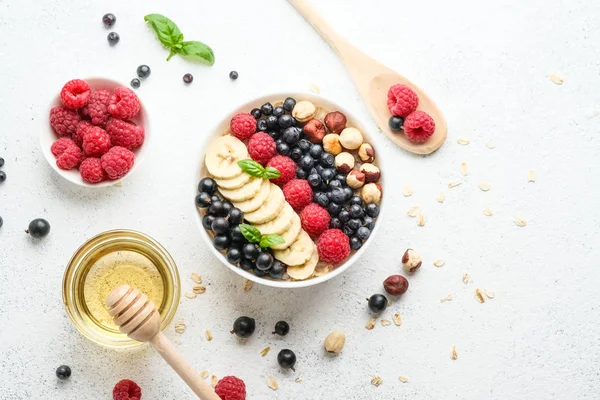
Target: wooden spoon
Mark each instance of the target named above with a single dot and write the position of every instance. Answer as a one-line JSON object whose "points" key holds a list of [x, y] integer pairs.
{"points": [[373, 80], [136, 316]]}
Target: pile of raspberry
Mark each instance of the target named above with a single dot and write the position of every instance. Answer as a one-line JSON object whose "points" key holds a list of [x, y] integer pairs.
{"points": [[402, 102], [96, 134]]}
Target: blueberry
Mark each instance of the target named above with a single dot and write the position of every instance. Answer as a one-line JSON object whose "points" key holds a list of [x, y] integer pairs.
{"points": [[335, 184], [143, 71], [355, 243], [278, 111], [348, 231], [244, 327], [282, 328], [377, 303], [356, 211], [246, 264], [344, 216], [286, 359], [372, 210], [283, 148], [356, 200], [203, 200], [300, 173], [261, 125], [277, 270], [342, 178], [220, 225], [135, 83], [256, 113], [321, 199], [267, 108], [233, 75], [315, 151], [327, 160], [113, 38], [227, 207], [304, 145], [289, 104], [348, 193], [313, 171], [236, 216], [38, 228], [296, 154], [291, 135], [217, 209], [363, 233], [207, 185], [368, 223], [250, 251], [335, 223], [334, 209], [271, 122], [354, 224], [188, 78], [396, 123], [207, 221], [63, 372], [306, 162], [275, 134], [327, 174], [314, 180], [325, 188], [264, 261], [109, 20], [337, 196], [233, 255], [259, 272], [236, 235], [221, 242], [285, 121]]}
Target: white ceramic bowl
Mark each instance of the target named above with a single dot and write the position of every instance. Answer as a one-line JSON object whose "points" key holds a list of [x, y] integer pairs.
{"points": [[223, 126], [48, 136]]}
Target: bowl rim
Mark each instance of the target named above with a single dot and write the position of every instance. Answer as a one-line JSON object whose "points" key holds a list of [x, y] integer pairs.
{"points": [[76, 179], [245, 107]]}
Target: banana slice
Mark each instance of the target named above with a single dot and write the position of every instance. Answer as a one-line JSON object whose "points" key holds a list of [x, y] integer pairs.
{"points": [[298, 253], [305, 270], [223, 155], [257, 201], [270, 209], [290, 235], [246, 192], [234, 183], [280, 224]]}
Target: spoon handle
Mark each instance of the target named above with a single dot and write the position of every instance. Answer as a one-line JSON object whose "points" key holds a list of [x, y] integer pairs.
{"points": [[190, 376]]}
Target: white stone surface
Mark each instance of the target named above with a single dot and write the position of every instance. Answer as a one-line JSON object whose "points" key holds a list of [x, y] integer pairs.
{"points": [[487, 64]]}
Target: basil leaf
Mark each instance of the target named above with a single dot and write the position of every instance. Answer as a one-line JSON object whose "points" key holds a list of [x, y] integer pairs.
{"points": [[197, 51], [166, 31], [271, 240], [251, 233], [251, 167], [271, 173]]}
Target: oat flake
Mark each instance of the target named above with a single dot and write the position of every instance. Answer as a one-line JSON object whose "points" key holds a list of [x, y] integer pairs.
{"points": [[447, 298], [376, 381], [454, 184], [466, 278], [214, 381], [479, 295], [204, 374], [199, 289], [487, 211], [272, 383], [463, 141], [386, 322], [190, 295], [454, 354], [439, 263], [490, 295], [322, 269], [371, 324], [464, 168], [484, 186], [196, 278], [407, 191], [421, 219], [403, 379], [313, 87], [397, 319], [208, 335], [298, 380], [441, 197], [413, 211], [531, 176], [557, 79], [265, 351], [490, 145], [247, 285], [180, 327], [520, 222]]}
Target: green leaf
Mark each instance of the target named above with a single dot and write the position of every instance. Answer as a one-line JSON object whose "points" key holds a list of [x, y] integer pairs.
{"points": [[251, 233], [166, 30], [271, 173], [251, 167], [271, 240], [197, 51]]}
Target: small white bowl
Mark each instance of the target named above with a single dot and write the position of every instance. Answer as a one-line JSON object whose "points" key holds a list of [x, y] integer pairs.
{"points": [[223, 126], [48, 136]]}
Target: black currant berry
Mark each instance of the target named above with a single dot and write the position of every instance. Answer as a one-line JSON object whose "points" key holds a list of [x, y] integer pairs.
{"points": [[109, 20], [207, 221], [250, 251], [63, 372], [220, 225], [247, 265], [377, 303], [233, 75], [113, 38], [221, 242], [264, 261], [143, 71], [203, 200], [282, 328], [233, 255], [38, 228], [188, 78], [135, 83], [286, 359], [277, 270], [236, 216], [244, 327], [207, 185], [396, 123]]}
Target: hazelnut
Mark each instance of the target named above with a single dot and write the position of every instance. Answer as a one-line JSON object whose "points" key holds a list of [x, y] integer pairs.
{"points": [[303, 110], [335, 121], [395, 285], [344, 162], [331, 144], [411, 260], [372, 173], [355, 179], [314, 130], [351, 138], [366, 153], [334, 342], [371, 193]]}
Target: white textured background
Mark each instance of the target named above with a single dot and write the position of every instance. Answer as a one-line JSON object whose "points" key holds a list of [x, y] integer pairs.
{"points": [[487, 66]]}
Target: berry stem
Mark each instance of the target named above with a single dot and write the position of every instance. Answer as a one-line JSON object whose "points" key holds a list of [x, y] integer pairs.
{"points": [[232, 331]]}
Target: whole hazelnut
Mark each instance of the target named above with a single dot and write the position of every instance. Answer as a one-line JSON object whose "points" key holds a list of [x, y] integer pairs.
{"points": [[303, 110], [355, 179], [351, 138], [331, 144], [344, 162], [372, 173], [334, 342], [314, 130], [371, 193], [366, 153], [335, 121], [395, 285], [411, 260]]}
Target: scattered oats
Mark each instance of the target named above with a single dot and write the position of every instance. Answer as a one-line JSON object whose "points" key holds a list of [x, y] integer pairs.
{"points": [[520, 222], [386, 322], [407, 191], [421, 219], [403, 379], [247, 285], [454, 184], [531, 176], [379, 129], [196, 278], [214, 381], [479, 295], [322, 269], [556, 79], [265, 351], [190, 295], [180, 326], [490, 295], [272, 383], [376, 381], [413, 211], [397, 319], [454, 354], [313, 87], [490, 145], [487, 211], [441, 197], [464, 168], [466, 278], [484, 186], [199, 289], [389, 303], [463, 141], [298, 380], [439, 263], [447, 298], [371, 324], [204, 374], [118, 184], [208, 335]]}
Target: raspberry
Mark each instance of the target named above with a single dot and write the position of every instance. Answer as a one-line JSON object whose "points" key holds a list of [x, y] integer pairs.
{"points": [[97, 107], [64, 121], [117, 162], [83, 128], [298, 193], [61, 145], [243, 126], [231, 388], [69, 158], [419, 126], [124, 104], [91, 170], [75, 94], [333, 246], [402, 100], [125, 133], [96, 142], [127, 390], [261, 148], [285, 166], [315, 219]]}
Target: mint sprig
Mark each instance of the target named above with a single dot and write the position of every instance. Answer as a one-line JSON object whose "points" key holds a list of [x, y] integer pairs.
{"points": [[253, 235], [253, 168], [171, 37]]}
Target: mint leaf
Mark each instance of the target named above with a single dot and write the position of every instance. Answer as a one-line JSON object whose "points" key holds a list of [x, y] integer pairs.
{"points": [[166, 31], [270, 240], [251, 167], [251, 233], [197, 51], [271, 173]]}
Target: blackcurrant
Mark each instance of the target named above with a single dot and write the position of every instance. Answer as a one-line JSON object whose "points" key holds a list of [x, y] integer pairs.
{"points": [[282, 328], [247, 265], [233, 75], [135, 83], [207, 221], [236, 216], [277, 270], [207, 185], [250, 251], [236, 235], [286, 359], [221, 242], [377, 303], [244, 327], [63, 372], [109, 20], [113, 38], [220, 225], [227, 207], [396, 123], [203, 200], [38, 228], [264, 261], [188, 78], [258, 272], [217, 209], [143, 71], [233, 255]]}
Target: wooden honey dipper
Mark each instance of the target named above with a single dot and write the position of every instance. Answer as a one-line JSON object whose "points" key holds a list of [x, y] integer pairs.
{"points": [[137, 317]]}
